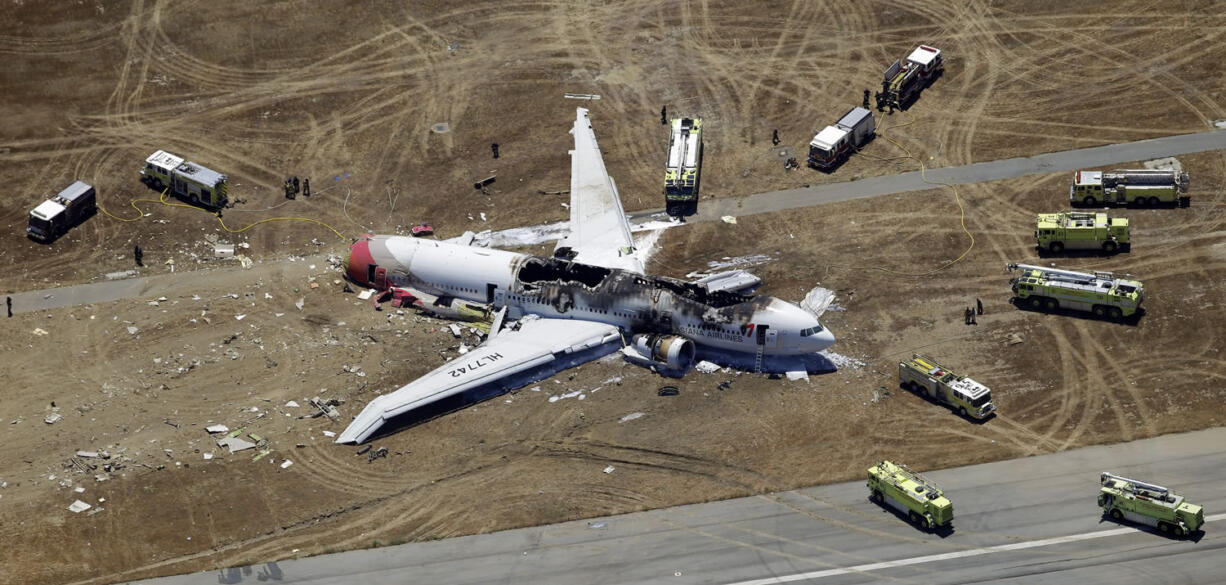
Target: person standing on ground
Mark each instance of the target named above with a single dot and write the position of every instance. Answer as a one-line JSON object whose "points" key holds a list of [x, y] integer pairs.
{"points": [[494, 149], [866, 99], [664, 115], [306, 186], [296, 185], [775, 137], [9, 301], [139, 255], [979, 306]]}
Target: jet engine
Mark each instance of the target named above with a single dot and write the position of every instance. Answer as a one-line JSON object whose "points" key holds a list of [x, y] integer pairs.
{"points": [[670, 351]]}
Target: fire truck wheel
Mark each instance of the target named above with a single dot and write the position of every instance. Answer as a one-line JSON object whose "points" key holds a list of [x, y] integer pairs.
{"points": [[193, 199], [1055, 247], [1177, 530], [1116, 514], [1051, 304], [1036, 302], [1164, 528], [157, 184], [877, 497], [1100, 311], [913, 517], [1115, 313], [1154, 201], [925, 524], [1108, 247], [962, 411], [1089, 201]]}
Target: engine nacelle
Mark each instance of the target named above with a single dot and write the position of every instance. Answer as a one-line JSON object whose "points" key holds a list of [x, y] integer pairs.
{"points": [[670, 351]]}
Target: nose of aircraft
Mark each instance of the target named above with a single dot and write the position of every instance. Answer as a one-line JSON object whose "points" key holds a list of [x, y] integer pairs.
{"points": [[357, 265], [822, 339]]}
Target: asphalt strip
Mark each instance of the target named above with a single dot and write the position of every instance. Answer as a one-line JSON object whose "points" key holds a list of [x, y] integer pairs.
{"points": [[974, 552]]}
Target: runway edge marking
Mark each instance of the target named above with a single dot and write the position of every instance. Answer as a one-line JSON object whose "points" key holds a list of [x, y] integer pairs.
{"points": [[951, 555]]}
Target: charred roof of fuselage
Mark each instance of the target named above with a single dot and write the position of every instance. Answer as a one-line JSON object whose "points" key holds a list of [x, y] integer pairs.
{"points": [[537, 270]]}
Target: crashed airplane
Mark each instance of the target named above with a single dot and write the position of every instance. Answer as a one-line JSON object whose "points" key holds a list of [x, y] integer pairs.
{"points": [[593, 292]]}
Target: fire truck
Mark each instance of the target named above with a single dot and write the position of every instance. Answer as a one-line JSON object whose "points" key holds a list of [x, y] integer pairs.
{"points": [[1100, 293], [186, 180], [903, 81], [55, 216], [922, 374], [908, 492], [834, 144], [1148, 504], [1081, 230], [681, 176], [1122, 187]]}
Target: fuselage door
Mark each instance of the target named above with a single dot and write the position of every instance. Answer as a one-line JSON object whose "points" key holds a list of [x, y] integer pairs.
{"points": [[772, 336], [380, 278]]}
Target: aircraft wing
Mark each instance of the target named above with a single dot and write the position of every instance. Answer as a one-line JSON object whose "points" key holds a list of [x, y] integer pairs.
{"points": [[535, 342], [599, 231]]}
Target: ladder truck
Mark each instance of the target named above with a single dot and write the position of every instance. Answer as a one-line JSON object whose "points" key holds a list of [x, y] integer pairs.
{"points": [[910, 493], [903, 81], [681, 175], [1100, 293], [186, 180], [1150, 187], [1081, 230], [968, 397], [1148, 504], [834, 144]]}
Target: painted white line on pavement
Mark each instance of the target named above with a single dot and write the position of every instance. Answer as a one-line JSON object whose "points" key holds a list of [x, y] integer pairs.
{"points": [[974, 552]]}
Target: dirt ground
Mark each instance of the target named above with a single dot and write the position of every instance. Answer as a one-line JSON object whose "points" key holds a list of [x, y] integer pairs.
{"points": [[350, 95]]}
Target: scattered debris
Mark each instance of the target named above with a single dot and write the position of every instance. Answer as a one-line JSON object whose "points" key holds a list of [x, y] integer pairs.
{"points": [[366, 294], [630, 417], [608, 469], [213, 429], [797, 375], [132, 330], [595, 525], [261, 455], [377, 453], [235, 444], [39, 331], [94, 454], [329, 434], [291, 404], [581, 96], [78, 506], [668, 391], [286, 463], [706, 367], [728, 219], [300, 303], [1015, 338], [363, 450], [455, 330], [208, 455], [53, 418]]}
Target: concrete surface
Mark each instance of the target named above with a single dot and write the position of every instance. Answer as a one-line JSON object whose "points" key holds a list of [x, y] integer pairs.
{"points": [[1030, 520]]}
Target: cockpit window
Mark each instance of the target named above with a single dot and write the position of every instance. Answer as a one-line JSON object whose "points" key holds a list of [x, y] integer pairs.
{"points": [[811, 331]]}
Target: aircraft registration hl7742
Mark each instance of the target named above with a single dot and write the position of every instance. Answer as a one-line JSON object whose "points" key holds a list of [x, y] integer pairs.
{"points": [[592, 292]]}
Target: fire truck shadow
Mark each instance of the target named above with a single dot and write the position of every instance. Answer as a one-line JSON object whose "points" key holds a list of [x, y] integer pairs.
{"points": [[1130, 321], [1193, 537], [939, 531]]}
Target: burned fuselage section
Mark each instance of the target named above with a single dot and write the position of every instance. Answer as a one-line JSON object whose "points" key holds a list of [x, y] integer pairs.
{"points": [[555, 287]]}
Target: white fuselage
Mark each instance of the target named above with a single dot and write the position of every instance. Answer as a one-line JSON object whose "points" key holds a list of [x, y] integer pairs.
{"points": [[555, 288]]}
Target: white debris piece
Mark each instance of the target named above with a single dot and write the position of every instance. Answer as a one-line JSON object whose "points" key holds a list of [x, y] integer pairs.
{"points": [[291, 404], [88, 454], [329, 434], [463, 349], [214, 429], [286, 464], [79, 490], [39, 331], [366, 294], [798, 375], [630, 417], [132, 330], [842, 361], [608, 469], [53, 418], [78, 506], [208, 455], [817, 301], [267, 296], [239, 317], [455, 330], [300, 303], [706, 367], [235, 444], [728, 219]]}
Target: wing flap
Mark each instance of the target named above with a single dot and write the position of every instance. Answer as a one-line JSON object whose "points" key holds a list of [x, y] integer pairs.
{"points": [[534, 343]]}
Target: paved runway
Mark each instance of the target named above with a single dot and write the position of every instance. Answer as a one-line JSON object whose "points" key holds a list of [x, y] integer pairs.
{"points": [[1031, 520]]}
